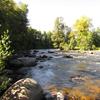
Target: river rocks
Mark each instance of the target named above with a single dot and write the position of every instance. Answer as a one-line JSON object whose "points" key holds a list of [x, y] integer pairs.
{"points": [[48, 96], [36, 51], [24, 89], [55, 96], [22, 62], [60, 96], [79, 79], [43, 57], [50, 51], [40, 67], [68, 56]]}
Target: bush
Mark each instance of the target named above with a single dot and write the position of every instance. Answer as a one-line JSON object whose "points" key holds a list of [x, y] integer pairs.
{"points": [[4, 81], [5, 49]]}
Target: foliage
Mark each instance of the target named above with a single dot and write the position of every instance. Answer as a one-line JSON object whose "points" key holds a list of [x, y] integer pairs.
{"points": [[83, 24], [84, 37], [58, 33], [4, 81], [81, 37], [13, 17], [37, 39], [5, 49], [71, 41], [5, 52], [96, 37], [46, 40], [64, 46]]}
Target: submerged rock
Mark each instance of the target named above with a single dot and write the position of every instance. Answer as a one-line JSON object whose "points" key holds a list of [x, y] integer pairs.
{"points": [[50, 51], [24, 89], [68, 56], [48, 96], [36, 51], [43, 57], [40, 67]]}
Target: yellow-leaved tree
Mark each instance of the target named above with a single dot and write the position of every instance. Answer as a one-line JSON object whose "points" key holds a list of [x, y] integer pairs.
{"points": [[83, 34]]}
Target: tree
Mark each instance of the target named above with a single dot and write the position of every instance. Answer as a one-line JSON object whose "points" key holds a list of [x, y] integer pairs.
{"points": [[34, 38], [71, 41], [58, 33], [14, 18], [83, 24], [96, 37], [50, 44], [5, 49], [84, 36]]}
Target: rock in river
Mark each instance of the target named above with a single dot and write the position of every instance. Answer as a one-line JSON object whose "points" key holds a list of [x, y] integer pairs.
{"points": [[22, 62], [24, 89], [68, 56]]}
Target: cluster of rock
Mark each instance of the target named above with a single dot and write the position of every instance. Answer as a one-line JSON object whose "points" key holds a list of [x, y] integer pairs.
{"points": [[23, 59], [26, 59], [23, 62]]}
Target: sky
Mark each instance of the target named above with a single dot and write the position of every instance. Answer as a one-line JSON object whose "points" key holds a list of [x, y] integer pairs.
{"points": [[42, 13]]}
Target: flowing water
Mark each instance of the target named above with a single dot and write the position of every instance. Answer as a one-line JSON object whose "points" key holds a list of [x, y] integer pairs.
{"points": [[63, 72]]}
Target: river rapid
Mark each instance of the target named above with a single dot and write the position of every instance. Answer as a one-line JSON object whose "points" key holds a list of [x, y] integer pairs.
{"points": [[80, 70]]}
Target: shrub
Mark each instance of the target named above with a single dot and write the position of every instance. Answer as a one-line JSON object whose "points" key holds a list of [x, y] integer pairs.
{"points": [[5, 49]]}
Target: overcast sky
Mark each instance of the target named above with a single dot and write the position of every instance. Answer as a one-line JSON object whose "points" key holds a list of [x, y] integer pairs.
{"points": [[42, 13]]}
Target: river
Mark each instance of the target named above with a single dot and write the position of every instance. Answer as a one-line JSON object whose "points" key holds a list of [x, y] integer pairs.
{"points": [[60, 71]]}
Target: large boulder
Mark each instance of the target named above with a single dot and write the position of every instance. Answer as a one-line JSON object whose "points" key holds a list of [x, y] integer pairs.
{"points": [[22, 61], [24, 89]]}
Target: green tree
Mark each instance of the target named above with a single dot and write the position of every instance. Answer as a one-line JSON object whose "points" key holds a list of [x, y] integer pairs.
{"points": [[50, 44], [46, 40], [34, 38], [71, 41], [5, 49], [14, 18], [96, 37], [58, 33]]}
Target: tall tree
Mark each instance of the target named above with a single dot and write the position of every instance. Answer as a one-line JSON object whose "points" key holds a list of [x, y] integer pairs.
{"points": [[46, 40], [84, 36], [13, 17], [58, 33], [96, 37]]}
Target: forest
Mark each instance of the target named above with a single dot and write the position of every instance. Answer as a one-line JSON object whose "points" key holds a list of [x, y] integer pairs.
{"points": [[17, 35]]}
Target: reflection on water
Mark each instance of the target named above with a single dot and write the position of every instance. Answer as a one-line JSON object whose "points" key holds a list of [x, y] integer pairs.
{"points": [[76, 72]]}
